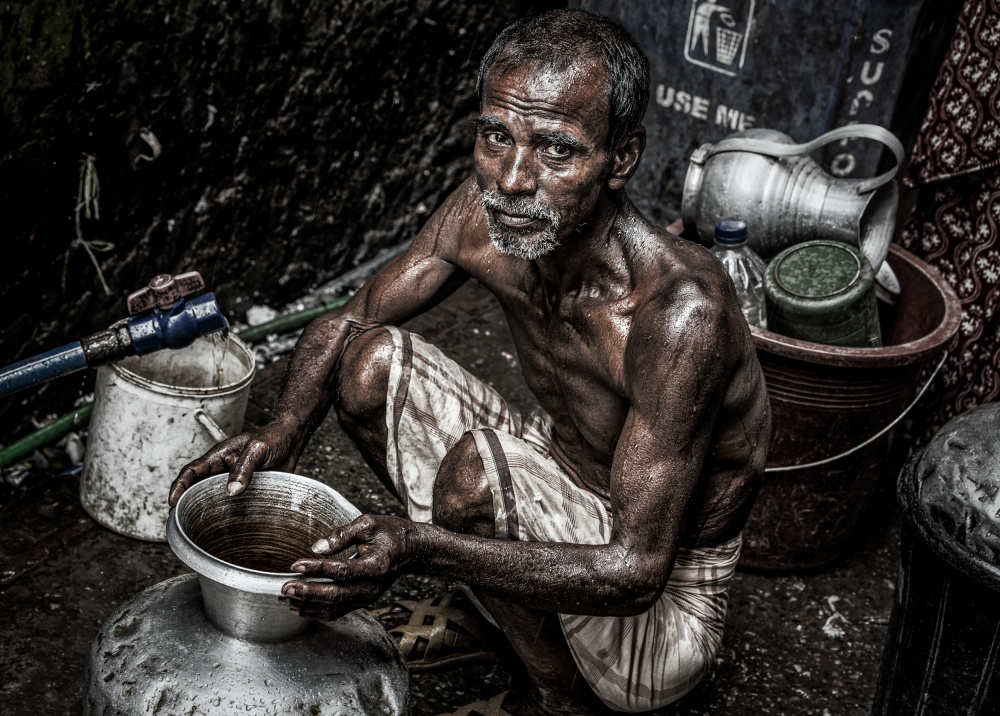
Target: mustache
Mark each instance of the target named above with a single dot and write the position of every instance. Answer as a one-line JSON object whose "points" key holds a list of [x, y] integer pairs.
{"points": [[520, 206]]}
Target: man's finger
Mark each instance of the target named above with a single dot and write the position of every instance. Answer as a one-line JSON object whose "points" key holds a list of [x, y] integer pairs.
{"points": [[219, 459], [183, 482], [211, 463], [335, 569], [342, 570], [313, 592], [322, 595], [243, 469], [343, 537], [309, 567]]}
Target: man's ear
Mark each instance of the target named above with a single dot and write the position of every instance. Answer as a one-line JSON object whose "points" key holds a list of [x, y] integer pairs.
{"points": [[626, 158]]}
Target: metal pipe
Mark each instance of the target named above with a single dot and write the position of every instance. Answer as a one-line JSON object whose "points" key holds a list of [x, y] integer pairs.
{"points": [[283, 324], [173, 327], [42, 368], [81, 416]]}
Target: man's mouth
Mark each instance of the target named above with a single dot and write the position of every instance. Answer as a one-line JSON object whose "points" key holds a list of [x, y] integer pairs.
{"points": [[514, 220], [520, 227]]}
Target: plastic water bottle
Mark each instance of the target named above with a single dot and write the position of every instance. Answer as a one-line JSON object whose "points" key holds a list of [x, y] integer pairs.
{"points": [[745, 268]]}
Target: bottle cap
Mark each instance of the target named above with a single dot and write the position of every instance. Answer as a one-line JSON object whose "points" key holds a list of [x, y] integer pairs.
{"points": [[731, 232]]}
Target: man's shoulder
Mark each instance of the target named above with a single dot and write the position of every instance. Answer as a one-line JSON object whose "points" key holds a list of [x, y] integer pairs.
{"points": [[678, 275], [685, 296], [457, 229], [463, 207]]}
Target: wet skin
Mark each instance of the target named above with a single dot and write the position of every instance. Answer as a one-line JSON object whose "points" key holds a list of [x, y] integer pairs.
{"points": [[631, 339]]}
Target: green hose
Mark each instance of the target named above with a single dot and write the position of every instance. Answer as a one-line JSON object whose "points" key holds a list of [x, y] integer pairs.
{"points": [[43, 436], [289, 323], [79, 417]]}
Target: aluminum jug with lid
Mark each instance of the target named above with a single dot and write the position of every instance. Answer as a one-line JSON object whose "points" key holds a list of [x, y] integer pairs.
{"points": [[785, 197]]}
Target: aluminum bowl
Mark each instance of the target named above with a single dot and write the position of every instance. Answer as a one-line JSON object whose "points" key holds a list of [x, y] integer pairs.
{"points": [[243, 547]]}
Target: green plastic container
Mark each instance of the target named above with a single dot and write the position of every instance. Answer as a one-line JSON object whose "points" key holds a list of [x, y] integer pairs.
{"points": [[823, 291]]}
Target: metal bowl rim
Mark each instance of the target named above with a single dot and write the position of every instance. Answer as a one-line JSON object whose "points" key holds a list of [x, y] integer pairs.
{"points": [[225, 573]]}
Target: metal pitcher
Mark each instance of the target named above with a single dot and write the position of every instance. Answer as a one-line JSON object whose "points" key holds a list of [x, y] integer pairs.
{"points": [[766, 180]]}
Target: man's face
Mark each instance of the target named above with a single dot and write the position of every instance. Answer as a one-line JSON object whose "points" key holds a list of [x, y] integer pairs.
{"points": [[541, 159]]}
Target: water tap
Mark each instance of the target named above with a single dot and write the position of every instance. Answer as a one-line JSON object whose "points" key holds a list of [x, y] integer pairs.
{"points": [[161, 316]]}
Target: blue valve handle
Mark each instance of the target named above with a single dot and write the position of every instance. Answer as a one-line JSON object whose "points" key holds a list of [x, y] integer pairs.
{"points": [[176, 326]]}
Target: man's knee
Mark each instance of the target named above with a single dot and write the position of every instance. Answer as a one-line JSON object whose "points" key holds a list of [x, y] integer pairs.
{"points": [[463, 501], [362, 379]]}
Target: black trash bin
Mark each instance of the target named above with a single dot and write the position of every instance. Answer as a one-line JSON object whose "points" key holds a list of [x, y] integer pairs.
{"points": [[941, 655]]}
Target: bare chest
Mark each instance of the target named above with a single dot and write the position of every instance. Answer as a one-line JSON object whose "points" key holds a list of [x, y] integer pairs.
{"points": [[572, 357]]}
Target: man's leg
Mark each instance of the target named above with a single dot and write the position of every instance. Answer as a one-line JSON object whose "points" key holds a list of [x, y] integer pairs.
{"points": [[360, 388], [463, 503]]}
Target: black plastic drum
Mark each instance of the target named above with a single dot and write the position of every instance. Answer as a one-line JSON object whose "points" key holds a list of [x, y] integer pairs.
{"points": [[941, 654]]}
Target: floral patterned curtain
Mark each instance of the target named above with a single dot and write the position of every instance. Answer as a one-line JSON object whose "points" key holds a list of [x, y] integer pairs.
{"points": [[956, 223]]}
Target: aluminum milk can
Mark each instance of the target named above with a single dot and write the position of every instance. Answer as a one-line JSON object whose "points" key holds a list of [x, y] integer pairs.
{"points": [[219, 642], [944, 634]]}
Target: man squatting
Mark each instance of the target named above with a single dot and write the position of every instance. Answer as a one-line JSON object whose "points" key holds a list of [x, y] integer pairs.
{"points": [[599, 534]]}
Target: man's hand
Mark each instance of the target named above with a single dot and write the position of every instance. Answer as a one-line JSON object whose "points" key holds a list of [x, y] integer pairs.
{"points": [[271, 447], [383, 551]]}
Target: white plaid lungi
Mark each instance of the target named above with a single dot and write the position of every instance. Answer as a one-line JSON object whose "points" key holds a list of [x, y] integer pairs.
{"points": [[633, 663]]}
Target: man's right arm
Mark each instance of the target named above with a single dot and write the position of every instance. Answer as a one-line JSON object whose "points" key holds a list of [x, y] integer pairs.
{"points": [[426, 273]]}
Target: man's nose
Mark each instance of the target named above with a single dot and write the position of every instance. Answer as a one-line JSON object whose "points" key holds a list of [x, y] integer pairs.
{"points": [[517, 173]]}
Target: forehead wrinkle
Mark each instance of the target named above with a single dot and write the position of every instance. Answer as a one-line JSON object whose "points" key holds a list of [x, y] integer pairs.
{"points": [[541, 111], [545, 90], [566, 96], [554, 108]]}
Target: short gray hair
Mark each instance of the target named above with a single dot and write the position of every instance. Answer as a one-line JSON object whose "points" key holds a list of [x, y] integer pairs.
{"points": [[561, 38]]}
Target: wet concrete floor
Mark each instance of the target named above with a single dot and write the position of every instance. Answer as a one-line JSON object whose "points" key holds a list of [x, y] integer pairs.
{"points": [[794, 644]]}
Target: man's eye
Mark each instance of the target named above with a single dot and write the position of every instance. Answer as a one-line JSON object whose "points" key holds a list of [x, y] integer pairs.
{"points": [[558, 150], [496, 138]]}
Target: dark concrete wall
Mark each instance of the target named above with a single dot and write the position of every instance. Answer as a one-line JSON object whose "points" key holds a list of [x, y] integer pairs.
{"points": [[337, 127]]}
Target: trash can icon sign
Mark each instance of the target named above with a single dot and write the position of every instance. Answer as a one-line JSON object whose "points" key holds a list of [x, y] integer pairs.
{"points": [[717, 34]]}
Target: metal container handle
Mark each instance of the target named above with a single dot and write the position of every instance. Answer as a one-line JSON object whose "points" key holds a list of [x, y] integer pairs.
{"points": [[210, 425], [873, 438], [851, 131]]}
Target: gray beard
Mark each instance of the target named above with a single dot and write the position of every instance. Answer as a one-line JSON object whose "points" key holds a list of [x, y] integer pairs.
{"points": [[524, 244]]}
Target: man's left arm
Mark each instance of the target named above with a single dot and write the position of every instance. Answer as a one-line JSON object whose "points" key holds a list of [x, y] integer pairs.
{"points": [[676, 371]]}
